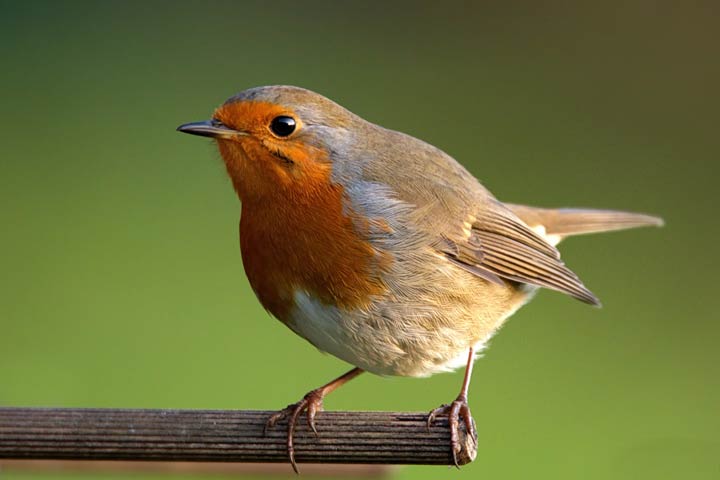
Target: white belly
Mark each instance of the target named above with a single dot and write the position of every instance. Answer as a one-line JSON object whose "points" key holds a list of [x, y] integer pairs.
{"points": [[400, 343]]}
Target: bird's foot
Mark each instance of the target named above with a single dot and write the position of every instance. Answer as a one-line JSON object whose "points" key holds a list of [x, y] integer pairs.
{"points": [[311, 403], [454, 411]]}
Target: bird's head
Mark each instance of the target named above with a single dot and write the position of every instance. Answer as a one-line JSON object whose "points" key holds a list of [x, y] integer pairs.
{"points": [[277, 139]]}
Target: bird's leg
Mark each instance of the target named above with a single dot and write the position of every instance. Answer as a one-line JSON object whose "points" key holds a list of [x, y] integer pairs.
{"points": [[458, 408], [311, 403]]}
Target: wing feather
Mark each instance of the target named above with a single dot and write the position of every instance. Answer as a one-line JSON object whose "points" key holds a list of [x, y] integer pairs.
{"points": [[500, 245]]}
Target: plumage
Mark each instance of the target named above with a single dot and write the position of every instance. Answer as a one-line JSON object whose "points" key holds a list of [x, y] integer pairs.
{"points": [[378, 247]]}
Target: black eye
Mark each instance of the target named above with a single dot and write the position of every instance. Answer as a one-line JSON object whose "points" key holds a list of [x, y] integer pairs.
{"points": [[282, 126]]}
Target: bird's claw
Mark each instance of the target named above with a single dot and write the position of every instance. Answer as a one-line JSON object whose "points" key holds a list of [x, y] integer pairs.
{"points": [[455, 410], [311, 403]]}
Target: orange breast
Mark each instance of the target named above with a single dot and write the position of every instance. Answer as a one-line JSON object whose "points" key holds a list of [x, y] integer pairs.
{"points": [[312, 246], [309, 240]]}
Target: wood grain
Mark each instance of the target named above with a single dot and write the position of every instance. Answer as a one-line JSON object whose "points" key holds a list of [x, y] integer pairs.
{"points": [[225, 436]]}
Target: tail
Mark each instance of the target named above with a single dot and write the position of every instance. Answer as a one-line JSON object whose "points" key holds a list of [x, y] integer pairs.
{"points": [[556, 224]]}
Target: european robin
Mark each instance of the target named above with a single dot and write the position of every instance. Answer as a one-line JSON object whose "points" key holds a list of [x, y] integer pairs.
{"points": [[379, 248]]}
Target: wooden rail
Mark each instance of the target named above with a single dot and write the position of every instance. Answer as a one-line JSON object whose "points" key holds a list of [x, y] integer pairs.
{"points": [[225, 436]]}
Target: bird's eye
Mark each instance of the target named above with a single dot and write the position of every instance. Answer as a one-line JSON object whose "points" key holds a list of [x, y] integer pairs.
{"points": [[283, 125]]}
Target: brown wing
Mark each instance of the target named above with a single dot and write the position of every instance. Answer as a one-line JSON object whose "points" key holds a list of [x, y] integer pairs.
{"points": [[502, 246]]}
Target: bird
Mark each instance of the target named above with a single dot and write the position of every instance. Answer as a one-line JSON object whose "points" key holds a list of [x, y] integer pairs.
{"points": [[379, 248]]}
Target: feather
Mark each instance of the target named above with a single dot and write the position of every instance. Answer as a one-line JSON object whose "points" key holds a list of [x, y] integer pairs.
{"points": [[500, 245], [564, 222]]}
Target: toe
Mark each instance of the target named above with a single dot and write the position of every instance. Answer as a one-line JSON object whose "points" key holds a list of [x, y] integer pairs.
{"points": [[434, 413], [311, 412], [272, 421]]}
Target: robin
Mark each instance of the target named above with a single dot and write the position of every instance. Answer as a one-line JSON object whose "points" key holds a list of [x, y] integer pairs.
{"points": [[379, 248]]}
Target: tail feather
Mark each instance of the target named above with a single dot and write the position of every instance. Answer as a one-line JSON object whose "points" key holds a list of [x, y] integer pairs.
{"points": [[563, 222]]}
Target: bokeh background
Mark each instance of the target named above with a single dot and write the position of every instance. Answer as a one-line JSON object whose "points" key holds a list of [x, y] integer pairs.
{"points": [[121, 283]]}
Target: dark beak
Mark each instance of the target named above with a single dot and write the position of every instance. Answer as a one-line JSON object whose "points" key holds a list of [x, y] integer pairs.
{"points": [[209, 128]]}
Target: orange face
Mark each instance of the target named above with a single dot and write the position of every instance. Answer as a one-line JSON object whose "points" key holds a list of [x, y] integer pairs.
{"points": [[269, 155]]}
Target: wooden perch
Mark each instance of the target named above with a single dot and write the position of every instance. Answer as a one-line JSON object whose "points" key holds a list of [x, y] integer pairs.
{"points": [[225, 436]]}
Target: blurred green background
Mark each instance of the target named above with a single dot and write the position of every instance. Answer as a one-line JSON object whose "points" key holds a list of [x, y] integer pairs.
{"points": [[121, 282]]}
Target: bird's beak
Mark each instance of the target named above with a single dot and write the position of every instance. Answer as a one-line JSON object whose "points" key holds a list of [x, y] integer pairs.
{"points": [[210, 128]]}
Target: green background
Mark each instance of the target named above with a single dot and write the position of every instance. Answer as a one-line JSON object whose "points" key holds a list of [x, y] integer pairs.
{"points": [[121, 283]]}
